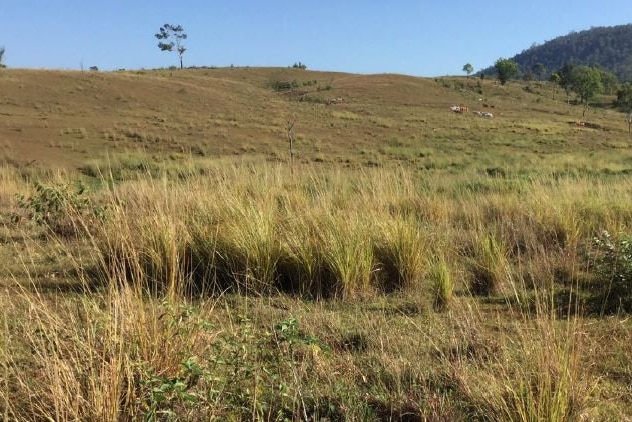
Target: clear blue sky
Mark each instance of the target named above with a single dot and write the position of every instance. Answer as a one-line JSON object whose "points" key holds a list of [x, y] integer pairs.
{"points": [[420, 37]]}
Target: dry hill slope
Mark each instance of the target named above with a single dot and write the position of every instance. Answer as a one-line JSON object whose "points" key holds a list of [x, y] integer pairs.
{"points": [[67, 118]]}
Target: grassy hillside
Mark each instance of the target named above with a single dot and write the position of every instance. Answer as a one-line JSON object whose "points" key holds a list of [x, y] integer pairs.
{"points": [[70, 118], [163, 261]]}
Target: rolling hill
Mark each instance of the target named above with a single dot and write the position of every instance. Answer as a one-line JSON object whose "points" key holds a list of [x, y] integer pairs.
{"points": [[70, 118]]}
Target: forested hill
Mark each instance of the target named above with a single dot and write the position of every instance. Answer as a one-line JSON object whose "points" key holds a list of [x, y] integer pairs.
{"points": [[607, 47]]}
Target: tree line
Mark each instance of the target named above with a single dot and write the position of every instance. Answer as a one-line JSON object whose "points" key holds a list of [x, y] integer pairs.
{"points": [[586, 82], [609, 48]]}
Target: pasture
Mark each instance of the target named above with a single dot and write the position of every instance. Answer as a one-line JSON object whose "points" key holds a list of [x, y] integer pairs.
{"points": [[163, 260]]}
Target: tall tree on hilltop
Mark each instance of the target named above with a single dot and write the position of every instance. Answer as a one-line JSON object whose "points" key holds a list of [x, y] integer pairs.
{"points": [[172, 36], [1, 57], [506, 69], [468, 68]]}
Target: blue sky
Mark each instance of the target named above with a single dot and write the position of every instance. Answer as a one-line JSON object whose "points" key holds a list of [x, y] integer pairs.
{"points": [[425, 38]]}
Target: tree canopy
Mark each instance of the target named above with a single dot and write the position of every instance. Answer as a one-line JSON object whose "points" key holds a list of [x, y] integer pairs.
{"points": [[171, 37], [505, 69], [624, 98], [609, 81], [586, 82], [468, 68]]}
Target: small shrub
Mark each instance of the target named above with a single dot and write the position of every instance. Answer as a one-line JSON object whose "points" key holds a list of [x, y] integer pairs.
{"points": [[56, 207], [283, 86], [314, 99], [613, 272], [168, 393]]}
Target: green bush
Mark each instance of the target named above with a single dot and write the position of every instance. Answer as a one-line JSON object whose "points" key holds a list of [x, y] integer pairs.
{"points": [[613, 272], [282, 86], [57, 207]]}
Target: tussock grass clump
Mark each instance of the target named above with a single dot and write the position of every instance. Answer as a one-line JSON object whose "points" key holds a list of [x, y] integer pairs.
{"points": [[552, 386], [537, 374], [248, 249], [11, 184], [301, 268], [490, 270], [347, 255], [443, 284], [400, 250]]}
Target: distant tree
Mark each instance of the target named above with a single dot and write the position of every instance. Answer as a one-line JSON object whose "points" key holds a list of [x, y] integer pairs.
{"points": [[624, 102], [609, 81], [299, 65], [624, 98], [566, 79], [506, 69], [555, 79], [2, 57], [172, 36], [586, 83], [468, 68], [538, 70]]}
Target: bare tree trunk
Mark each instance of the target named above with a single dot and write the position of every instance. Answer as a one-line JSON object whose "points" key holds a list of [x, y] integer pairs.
{"points": [[290, 139]]}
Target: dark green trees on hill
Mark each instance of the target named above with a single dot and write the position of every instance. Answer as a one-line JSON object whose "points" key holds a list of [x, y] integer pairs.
{"points": [[585, 81], [609, 48]]}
